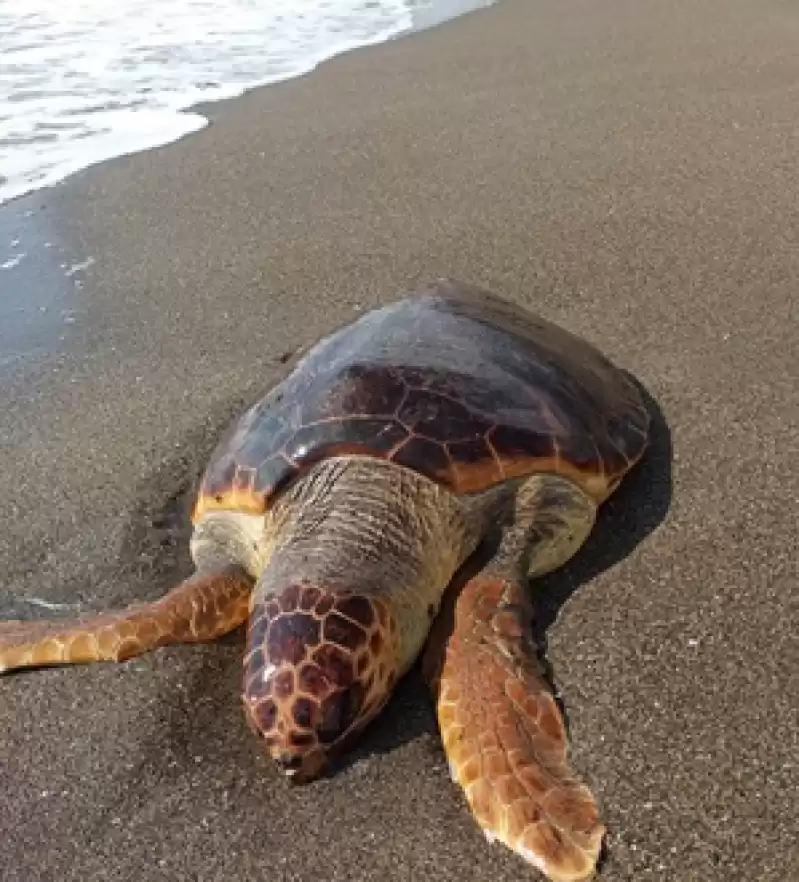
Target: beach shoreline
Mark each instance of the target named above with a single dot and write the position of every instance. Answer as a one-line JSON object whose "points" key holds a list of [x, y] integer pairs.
{"points": [[187, 119], [626, 172], [40, 274]]}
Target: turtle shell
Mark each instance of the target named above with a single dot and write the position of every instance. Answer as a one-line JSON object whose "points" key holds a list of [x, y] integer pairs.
{"points": [[452, 381]]}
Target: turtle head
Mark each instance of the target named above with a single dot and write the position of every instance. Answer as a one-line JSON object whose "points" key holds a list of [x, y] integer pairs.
{"points": [[319, 666]]}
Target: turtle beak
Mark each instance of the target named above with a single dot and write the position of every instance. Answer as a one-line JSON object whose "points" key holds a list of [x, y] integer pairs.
{"points": [[300, 769], [289, 764]]}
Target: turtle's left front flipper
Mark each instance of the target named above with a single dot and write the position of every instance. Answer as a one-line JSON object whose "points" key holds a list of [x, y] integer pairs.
{"points": [[203, 607], [502, 729]]}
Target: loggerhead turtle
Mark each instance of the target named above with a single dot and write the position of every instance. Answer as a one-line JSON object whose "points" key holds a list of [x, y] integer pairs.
{"points": [[336, 511]]}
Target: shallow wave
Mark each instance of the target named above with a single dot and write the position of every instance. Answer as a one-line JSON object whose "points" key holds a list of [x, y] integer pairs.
{"points": [[87, 80]]}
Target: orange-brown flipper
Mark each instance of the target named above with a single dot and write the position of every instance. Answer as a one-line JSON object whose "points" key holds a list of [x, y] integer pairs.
{"points": [[203, 607], [503, 733]]}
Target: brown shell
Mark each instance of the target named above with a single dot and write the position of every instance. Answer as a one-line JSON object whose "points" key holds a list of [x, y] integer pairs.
{"points": [[452, 381]]}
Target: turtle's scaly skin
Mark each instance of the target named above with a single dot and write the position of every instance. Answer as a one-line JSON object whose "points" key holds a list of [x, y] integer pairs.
{"points": [[505, 740], [199, 610], [343, 605]]}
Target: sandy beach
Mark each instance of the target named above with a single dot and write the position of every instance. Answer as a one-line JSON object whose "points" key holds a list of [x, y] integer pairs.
{"points": [[629, 170]]}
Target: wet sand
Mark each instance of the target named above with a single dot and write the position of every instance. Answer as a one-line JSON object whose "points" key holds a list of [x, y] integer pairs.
{"points": [[629, 171]]}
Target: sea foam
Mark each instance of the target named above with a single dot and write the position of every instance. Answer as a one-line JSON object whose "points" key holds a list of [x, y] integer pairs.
{"points": [[86, 80]]}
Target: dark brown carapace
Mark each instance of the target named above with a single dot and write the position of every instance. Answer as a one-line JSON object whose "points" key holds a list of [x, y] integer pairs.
{"points": [[319, 666], [455, 383]]}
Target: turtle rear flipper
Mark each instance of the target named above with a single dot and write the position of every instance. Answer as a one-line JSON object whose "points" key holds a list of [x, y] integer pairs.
{"points": [[203, 607]]}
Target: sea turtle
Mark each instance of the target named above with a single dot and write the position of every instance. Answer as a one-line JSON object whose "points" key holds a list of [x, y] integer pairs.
{"points": [[334, 514]]}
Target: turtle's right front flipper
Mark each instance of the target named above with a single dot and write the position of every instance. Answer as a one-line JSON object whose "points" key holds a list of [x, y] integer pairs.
{"points": [[203, 607]]}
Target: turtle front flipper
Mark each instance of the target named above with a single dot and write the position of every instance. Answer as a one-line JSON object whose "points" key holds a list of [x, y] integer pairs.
{"points": [[203, 607], [502, 731]]}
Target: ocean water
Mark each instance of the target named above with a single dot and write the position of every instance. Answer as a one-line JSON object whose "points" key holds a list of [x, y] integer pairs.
{"points": [[86, 80]]}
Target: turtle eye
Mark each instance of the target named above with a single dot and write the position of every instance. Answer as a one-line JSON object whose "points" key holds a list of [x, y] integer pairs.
{"points": [[340, 711]]}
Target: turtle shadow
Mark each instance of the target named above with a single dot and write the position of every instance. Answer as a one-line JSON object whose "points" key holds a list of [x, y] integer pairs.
{"points": [[631, 514]]}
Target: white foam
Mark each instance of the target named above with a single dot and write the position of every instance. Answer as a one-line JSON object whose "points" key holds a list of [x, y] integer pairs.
{"points": [[87, 80], [14, 261]]}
